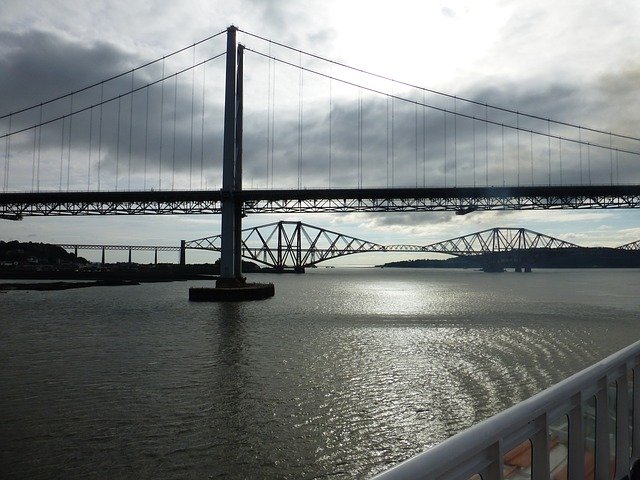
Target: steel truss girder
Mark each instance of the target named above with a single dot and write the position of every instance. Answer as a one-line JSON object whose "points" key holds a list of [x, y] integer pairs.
{"points": [[461, 206], [294, 245], [495, 240], [630, 246], [461, 200], [283, 245], [159, 248], [20, 205]]}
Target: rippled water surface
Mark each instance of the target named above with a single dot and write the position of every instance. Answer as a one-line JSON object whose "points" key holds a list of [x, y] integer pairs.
{"points": [[342, 374]]}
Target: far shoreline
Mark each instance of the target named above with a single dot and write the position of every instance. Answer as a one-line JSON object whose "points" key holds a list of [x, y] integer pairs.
{"points": [[55, 286]]}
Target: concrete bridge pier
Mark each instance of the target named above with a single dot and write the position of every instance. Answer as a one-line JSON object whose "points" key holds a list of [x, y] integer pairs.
{"points": [[183, 253]]}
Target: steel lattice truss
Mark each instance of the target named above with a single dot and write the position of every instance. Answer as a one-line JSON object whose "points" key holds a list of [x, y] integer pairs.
{"points": [[461, 200], [293, 245], [159, 248], [497, 240], [17, 205], [284, 245], [631, 246]]}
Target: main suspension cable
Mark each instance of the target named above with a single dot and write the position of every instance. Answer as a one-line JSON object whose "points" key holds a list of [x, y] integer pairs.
{"points": [[460, 114], [436, 92], [114, 77], [111, 99]]}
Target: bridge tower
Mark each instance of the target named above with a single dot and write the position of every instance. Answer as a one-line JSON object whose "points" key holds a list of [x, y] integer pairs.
{"points": [[231, 285], [231, 241]]}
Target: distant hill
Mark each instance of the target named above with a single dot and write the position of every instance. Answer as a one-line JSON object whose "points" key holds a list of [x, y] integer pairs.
{"points": [[37, 253], [455, 262], [29, 256], [534, 258]]}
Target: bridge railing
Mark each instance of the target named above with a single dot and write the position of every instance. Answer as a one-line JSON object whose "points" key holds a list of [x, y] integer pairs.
{"points": [[587, 426]]}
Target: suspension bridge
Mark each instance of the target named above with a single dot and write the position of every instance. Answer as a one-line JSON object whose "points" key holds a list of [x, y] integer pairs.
{"points": [[295, 246], [191, 132]]}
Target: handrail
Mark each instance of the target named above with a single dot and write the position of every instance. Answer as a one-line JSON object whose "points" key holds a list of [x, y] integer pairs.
{"points": [[480, 449]]}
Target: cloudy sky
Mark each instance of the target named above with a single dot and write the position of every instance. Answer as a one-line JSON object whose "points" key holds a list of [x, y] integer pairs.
{"points": [[569, 61]]}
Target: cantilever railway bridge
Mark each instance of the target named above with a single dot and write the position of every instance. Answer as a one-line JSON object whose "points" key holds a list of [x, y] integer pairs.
{"points": [[296, 245], [288, 245]]}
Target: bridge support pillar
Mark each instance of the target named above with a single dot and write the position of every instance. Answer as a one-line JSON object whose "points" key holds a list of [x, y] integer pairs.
{"points": [[103, 256], [183, 253], [155, 257], [230, 251], [129, 256], [231, 285]]}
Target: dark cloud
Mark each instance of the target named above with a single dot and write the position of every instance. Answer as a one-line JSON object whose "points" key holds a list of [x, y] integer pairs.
{"points": [[36, 66], [618, 90]]}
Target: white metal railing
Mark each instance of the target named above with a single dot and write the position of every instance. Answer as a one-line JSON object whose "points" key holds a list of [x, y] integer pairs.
{"points": [[587, 426]]}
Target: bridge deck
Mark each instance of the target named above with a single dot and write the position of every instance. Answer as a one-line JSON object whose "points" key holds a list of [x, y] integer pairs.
{"points": [[459, 199]]}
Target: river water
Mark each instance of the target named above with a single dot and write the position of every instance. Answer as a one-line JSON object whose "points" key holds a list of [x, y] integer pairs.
{"points": [[342, 374]]}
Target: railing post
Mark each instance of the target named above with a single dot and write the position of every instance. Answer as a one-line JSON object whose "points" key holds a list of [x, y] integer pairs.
{"points": [[622, 422], [494, 470], [575, 463], [540, 449], [602, 432], [635, 442]]}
